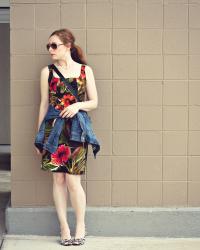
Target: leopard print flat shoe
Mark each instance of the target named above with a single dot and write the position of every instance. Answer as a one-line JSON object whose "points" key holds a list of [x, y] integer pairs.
{"points": [[66, 242], [78, 241]]}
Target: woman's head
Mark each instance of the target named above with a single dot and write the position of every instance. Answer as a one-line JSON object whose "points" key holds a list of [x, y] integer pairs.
{"points": [[63, 41]]}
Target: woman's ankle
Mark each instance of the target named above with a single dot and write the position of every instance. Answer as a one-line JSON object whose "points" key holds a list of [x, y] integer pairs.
{"points": [[80, 230], [65, 232], [80, 224], [64, 227]]}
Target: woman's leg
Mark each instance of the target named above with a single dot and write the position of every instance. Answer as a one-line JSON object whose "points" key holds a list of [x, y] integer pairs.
{"points": [[60, 200], [78, 201]]}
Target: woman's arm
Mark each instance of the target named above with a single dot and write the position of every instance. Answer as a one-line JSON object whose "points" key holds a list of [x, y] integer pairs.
{"points": [[91, 91], [44, 92]]}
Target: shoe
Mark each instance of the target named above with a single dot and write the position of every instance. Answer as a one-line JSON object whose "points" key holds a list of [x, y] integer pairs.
{"points": [[66, 242], [78, 241]]}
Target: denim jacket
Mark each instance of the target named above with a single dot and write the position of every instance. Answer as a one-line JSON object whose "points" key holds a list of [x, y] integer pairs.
{"points": [[81, 131]]}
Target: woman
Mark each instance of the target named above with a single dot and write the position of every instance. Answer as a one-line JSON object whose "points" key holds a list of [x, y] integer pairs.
{"points": [[68, 163]]}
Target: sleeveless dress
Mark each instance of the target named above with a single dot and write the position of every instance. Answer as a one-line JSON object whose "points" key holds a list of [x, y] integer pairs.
{"points": [[70, 156]]}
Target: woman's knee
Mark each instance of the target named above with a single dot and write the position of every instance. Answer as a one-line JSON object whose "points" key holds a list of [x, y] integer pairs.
{"points": [[59, 178]]}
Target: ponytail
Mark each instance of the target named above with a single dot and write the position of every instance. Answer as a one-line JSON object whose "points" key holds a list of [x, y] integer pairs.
{"points": [[77, 54]]}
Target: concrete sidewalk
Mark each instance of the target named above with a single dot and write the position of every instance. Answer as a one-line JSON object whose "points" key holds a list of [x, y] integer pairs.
{"points": [[32, 242]]}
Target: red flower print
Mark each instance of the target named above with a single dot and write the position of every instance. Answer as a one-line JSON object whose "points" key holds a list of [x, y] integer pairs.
{"points": [[67, 99], [61, 155], [53, 84]]}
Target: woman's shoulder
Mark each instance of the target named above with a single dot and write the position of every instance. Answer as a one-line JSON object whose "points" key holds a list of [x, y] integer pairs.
{"points": [[88, 70], [45, 72], [45, 68]]}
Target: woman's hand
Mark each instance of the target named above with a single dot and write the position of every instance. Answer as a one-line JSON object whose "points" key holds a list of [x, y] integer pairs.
{"points": [[70, 110], [38, 151]]}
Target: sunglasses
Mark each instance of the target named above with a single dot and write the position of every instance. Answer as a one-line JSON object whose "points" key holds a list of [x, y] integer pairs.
{"points": [[53, 45]]}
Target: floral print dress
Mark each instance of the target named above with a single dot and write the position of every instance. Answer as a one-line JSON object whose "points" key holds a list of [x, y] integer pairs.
{"points": [[70, 156]]}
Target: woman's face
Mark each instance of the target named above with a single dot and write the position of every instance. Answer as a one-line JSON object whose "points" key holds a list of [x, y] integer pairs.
{"points": [[60, 51]]}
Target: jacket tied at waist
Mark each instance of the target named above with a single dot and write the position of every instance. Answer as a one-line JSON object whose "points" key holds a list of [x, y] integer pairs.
{"points": [[81, 131]]}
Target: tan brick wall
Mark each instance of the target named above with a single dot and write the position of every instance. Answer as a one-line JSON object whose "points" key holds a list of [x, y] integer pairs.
{"points": [[145, 55]]}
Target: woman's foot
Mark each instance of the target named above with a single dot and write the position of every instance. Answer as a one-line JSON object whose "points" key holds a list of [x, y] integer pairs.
{"points": [[79, 238], [78, 241], [66, 242], [65, 237]]}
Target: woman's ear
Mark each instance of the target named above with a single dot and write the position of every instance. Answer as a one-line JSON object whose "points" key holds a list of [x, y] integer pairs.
{"points": [[69, 45]]}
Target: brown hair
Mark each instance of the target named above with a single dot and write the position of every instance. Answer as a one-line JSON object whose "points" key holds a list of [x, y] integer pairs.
{"points": [[66, 36]]}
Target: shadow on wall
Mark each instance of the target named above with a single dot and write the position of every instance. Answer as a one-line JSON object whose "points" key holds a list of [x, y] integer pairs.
{"points": [[5, 84], [5, 174]]}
